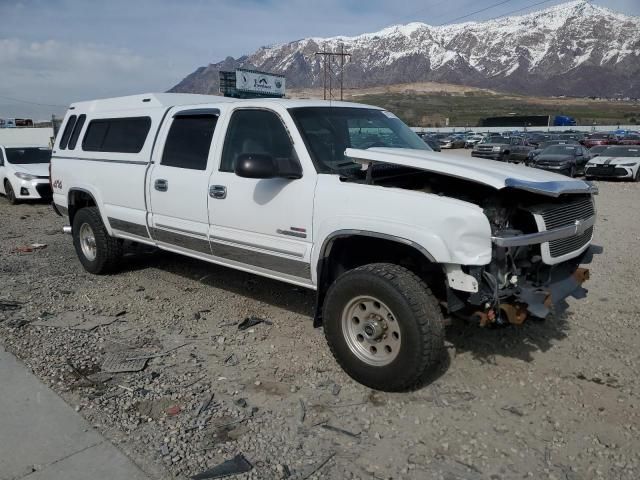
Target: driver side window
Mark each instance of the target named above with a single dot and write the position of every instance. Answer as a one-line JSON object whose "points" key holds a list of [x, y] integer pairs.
{"points": [[256, 131]]}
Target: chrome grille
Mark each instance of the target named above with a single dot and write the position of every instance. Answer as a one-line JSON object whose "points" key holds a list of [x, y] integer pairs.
{"points": [[558, 248], [566, 214]]}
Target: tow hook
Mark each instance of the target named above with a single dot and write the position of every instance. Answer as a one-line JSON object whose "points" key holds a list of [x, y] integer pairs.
{"points": [[67, 229]]}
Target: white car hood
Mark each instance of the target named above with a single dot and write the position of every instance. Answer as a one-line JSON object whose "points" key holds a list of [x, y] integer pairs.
{"points": [[614, 160], [38, 169], [495, 174]]}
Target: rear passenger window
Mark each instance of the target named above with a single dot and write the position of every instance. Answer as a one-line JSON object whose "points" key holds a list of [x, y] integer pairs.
{"points": [[76, 131], [117, 135], [67, 132], [188, 141]]}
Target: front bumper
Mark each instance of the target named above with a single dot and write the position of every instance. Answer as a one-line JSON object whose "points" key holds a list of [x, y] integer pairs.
{"points": [[609, 171], [487, 155], [563, 169], [37, 189]]}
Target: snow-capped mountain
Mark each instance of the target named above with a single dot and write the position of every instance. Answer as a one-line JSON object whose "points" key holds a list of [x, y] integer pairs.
{"points": [[575, 48]]}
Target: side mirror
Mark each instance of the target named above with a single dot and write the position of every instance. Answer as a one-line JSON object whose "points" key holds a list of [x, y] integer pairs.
{"points": [[262, 165]]}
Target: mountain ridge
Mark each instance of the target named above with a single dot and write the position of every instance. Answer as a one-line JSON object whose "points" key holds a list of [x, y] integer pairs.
{"points": [[575, 48]]}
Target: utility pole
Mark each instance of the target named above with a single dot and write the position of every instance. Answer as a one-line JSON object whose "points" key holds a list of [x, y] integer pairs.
{"points": [[327, 58]]}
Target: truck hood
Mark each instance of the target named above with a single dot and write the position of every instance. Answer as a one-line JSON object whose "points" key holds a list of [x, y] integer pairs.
{"points": [[38, 169], [498, 175]]}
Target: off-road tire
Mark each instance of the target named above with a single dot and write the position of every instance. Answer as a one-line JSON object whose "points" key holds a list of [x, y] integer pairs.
{"points": [[417, 313], [108, 249], [11, 195]]}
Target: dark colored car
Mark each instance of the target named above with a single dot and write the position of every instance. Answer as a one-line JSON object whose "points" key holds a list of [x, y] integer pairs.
{"points": [[568, 160], [431, 141], [599, 139], [629, 140], [493, 148], [534, 153]]}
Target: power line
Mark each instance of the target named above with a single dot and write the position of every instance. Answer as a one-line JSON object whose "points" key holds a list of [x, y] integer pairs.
{"points": [[524, 8], [32, 103], [477, 11]]}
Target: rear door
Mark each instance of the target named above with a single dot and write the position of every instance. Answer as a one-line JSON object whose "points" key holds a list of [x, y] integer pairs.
{"points": [[178, 181], [263, 225]]}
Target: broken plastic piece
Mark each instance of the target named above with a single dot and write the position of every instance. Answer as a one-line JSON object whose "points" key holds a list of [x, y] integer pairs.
{"points": [[237, 464], [252, 322]]}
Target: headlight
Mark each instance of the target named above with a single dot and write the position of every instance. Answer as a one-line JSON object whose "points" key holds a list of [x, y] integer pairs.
{"points": [[632, 164], [25, 176], [496, 149]]}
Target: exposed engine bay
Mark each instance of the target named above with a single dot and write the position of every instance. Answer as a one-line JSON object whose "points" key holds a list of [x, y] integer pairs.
{"points": [[523, 279]]}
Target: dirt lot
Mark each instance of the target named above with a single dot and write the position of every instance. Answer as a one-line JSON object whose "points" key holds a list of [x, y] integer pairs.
{"points": [[557, 399]]}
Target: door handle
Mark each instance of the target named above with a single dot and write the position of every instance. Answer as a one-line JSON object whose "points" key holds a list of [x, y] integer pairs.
{"points": [[161, 185], [218, 191]]}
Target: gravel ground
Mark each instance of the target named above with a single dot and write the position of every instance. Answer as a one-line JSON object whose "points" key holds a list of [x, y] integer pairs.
{"points": [[557, 399]]}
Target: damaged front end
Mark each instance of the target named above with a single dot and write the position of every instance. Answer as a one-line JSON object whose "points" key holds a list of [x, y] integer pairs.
{"points": [[540, 247]]}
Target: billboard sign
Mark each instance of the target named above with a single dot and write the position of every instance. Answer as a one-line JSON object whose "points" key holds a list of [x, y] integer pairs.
{"points": [[258, 82]]}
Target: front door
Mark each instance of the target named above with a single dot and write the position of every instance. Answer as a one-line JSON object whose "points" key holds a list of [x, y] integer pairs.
{"points": [[263, 225], [178, 182]]}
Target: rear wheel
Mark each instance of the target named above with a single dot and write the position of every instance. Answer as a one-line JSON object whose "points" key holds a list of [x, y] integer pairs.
{"points": [[11, 195], [98, 252], [384, 326]]}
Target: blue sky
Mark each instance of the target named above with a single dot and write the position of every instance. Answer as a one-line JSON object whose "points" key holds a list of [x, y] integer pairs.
{"points": [[55, 52]]}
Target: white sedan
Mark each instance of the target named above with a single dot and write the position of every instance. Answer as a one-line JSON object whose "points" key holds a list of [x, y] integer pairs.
{"points": [[616, 161], [24, 173]]}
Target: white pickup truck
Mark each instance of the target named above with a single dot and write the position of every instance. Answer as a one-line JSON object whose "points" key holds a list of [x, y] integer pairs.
{"points": [[340, 198]]}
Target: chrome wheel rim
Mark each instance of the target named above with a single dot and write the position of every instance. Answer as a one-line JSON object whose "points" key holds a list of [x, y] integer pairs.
{"points": [[371, 331], [88, 242]]}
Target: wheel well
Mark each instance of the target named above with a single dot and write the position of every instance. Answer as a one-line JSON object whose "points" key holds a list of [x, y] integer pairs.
{"points": [[347, 252], [79, 199]]}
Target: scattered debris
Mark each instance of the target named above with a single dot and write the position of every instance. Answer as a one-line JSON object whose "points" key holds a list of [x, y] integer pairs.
{"points": [[10, 305], [335, 390], [303, 411], [123, 361], [29, 248], [173, 410], [232, 360], [156, 355], [204, 405], [241, 402], [236, 465], [252, 322], [514, 410], [340, 430], [315, 468], [81, 375]]}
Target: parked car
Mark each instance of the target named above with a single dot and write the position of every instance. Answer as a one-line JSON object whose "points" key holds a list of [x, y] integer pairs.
{"points": [[24, 173], [433, 142], [599, 139], [568, 160], [340, 198], [452, 141], [505, 149], [473, 140], [535, 152], [630, 139], [598, 150], [616, 162]]}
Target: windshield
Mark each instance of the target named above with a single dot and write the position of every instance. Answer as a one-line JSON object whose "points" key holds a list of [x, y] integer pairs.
{"points": [[328, 131], [559, 150], [599, 136], [24, 156], [502, 140], [623, 152]]}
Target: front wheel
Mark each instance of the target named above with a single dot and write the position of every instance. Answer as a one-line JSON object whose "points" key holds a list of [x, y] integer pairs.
{"points": [[384, 326], [11, 195], [98, 252]]}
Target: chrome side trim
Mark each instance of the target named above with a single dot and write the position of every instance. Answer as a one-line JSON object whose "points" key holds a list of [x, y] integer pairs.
{"points": [[291, 233], [253, 245], [176, 229], [128, 227], [577, 228], [288, 266], [104, 160], [183, 241]]}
